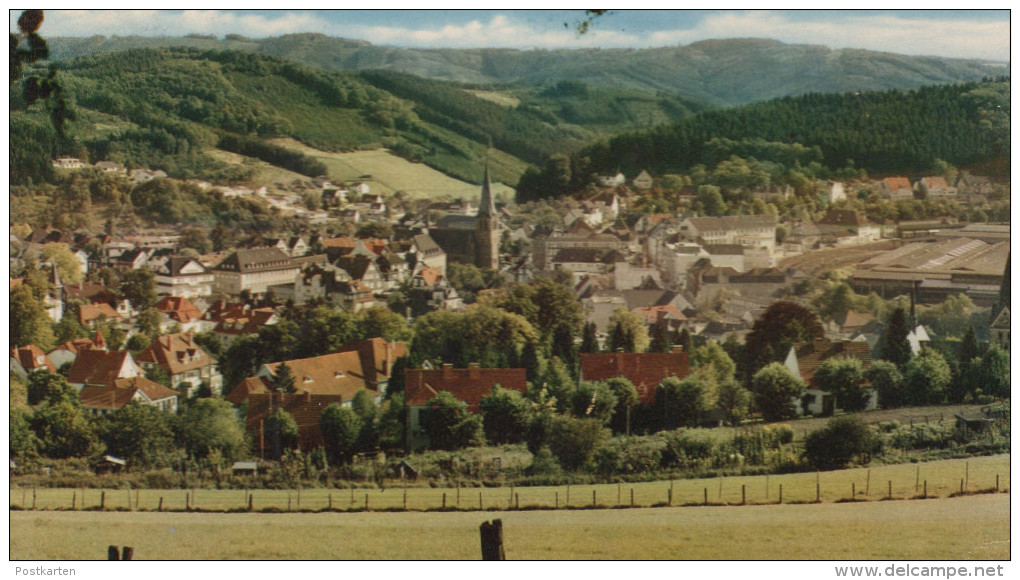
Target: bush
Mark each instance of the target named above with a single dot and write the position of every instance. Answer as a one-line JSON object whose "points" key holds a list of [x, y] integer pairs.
{"points": [[843, 439], [629, 455], [687, 448], [544, 464], [574, 441]]}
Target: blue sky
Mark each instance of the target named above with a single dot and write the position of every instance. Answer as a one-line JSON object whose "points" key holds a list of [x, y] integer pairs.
{"points": [[951, 33]]}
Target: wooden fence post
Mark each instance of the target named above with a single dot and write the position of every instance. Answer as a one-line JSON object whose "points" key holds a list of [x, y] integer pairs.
{"points": [[458, 493], [890, 489], [299, 498], [251, 501], [137, 493], [706, 496], [853, 491], [187, 501], [480, 506], [867, 485], [619, 486], [160, 508], [818, 492], [743, 494], [492, 540], [128, 553], [967, 474], [557, 504], [33, 497], [568, 494], [444, 500], [112, 553], [780, 493], [288, 500], [102, 500], [926, 489], [593, 497], [917, 479], [996, 483], [632, 497], [961, 486]]}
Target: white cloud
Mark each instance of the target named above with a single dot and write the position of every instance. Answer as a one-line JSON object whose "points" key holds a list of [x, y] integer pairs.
{"points": [[163, 23]]}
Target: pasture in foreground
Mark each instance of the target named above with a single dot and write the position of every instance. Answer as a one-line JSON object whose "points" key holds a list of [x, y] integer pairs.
{"points": [[961, 528]]}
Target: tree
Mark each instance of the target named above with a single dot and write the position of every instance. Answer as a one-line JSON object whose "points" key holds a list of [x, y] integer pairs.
{"points": [[140, 434], [29, 323], [340, 430], [574, 441], [627, 331], [209, 425], [733, 401], [627, 397], [448, 424], [713, 360], [775, 389], [559, 384], [24, 445], [506, 414], [595, 400], [781, 325], [139, 288], [46, 387], [926, 378], [885, 377], [365, 408], [148, 323], [660, 338], [589, 338], [283, 379], [563, 344], [844, 378], [281, 430], [711, 200], [68, 266], [392, 418], [683, 402], [64, 430], [895, 347], [381, 322], [994, 372], [842, 440]]}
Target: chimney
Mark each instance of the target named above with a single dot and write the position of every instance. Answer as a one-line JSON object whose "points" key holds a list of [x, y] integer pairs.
{"points": [[308, 397], [474, 371], [447, 370]]}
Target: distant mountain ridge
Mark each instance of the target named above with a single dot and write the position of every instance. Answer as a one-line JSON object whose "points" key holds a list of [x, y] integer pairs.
{"points": [[722, 72]]}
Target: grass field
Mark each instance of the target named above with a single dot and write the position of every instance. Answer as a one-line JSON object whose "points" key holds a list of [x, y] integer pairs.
{"points": [[970, 527], [391, 173], [908, 480]]}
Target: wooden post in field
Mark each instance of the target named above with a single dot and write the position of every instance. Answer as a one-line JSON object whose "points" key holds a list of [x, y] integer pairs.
{"points": [[458, 494], [853, 491], [917, 479], [593, 497], [557, 504], [405, 499], [492, 540], [102, 500], [299, 498], [517, 501], [967, 474], [480, 507], [33, 497], [619, 487], [961, 486], [706, 496], [288, 501], [818, 492], [926, 489], [137, 492], [251, 501], [112, 553], [127, 554], [780, 493], [444, 500], [766, 486], [632, 497], [330, 499], [743, 494], [74, 500], [669, 497], [867, 485], [568, 494], [996, 483], [160, 508]]}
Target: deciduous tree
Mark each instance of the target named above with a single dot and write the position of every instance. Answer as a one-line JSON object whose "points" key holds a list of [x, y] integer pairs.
{"points": [[775, 389]]}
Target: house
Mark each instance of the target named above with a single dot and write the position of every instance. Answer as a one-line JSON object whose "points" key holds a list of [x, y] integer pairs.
{"points": [[745, 230], [241, 320], [547, 247], [181, 276], [936, 187], [183, 313], [645, 370], [847, 227], [294, 246], [918, 339], [32, 358], [90, 314], [67, 353], [254, 270], [896, 188], [611, 180], [67, 163], [102, 368], [831, 191], [468, 385], [804, 359], [665, 314], [643, 180], [305, 407], [103, 399], [184, 360], [110, 167]]}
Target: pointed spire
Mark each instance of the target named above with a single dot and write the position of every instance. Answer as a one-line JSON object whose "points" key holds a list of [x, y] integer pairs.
{"points": [[99, 343], [487, 208]]}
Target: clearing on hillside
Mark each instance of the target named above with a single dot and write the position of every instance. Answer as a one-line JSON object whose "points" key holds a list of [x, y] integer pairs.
{"points": [[389, 173]]}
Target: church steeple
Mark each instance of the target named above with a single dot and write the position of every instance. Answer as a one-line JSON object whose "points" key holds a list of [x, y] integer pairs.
{"points": [[487, 208]]}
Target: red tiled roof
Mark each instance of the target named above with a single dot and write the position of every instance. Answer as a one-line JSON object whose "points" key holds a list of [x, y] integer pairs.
{"points": [[654, 314], [91, 312], [97, 367], [306, 408], [76, 346], [151, 389], [90, 291], [32, 357], [811, 355], [430, 275], [645, 370], [239, 394], [468, 385], [339, 373], [377, 357], [176, 354], [896, 183], [179, 308], [121, 392]]}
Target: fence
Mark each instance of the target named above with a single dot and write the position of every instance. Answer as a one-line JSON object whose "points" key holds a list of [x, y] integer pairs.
{"points": [[941, 479]]}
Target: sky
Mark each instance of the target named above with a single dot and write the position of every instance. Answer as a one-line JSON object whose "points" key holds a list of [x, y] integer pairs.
{"points": [[983, 34]]}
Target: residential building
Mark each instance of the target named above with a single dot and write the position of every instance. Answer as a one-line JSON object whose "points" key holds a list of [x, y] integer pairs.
{"points": [[184, 360], [643, 180], [32, 358], [254, 270], [468, 385], [645, 370], [102, 368], [103, 399], [181, 276], [804, 359], [896, 188], [746, 230]]}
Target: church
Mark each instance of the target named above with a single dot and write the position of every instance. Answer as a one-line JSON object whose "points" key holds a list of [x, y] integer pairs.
{"points": [[471, 239]]}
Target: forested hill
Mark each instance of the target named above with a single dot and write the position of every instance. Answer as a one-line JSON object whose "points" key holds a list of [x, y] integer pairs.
{"points": [[718, 72], [906, 132], [164, 107]]}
